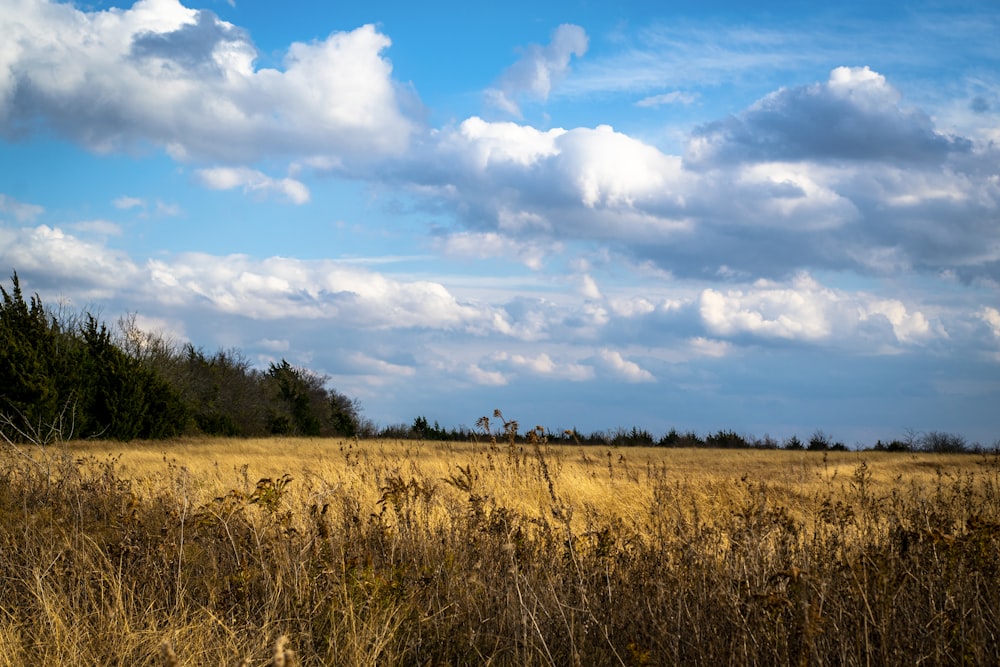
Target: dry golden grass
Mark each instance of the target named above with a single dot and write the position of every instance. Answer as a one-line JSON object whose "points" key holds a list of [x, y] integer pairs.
{"points": [[342, 552], [611, 481]]}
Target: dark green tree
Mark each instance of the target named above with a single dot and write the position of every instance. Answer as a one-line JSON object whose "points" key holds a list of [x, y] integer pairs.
{"points": [[38, 370], [299, 400], [126, 399]]}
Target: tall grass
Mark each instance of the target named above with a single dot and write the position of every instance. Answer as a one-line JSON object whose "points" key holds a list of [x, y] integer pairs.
{"points": [[321, 552]]}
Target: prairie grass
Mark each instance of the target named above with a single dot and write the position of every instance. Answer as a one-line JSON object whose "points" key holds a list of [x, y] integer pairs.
{"points": [[345, 552]]}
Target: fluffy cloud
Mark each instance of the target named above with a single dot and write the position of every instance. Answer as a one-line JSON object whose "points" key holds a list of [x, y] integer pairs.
{"points": [[538, 69], [488, 245], [908, 327], [855, 115], [542, 365], [253, 181], [57, 259], [617, 365], [805, 310], [836, 175], [484, 377], [769, 312], [183, 79], [992, 317], [590, 183], [277, 288]]}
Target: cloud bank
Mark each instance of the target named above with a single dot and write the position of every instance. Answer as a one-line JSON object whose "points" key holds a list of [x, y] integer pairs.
{"points": [[182, 79]]}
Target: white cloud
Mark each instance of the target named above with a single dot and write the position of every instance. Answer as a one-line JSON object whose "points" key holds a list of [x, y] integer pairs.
{"points": [[615, 363], [767, 311], [539, 69], [854, 115], [992, 317], [57, 258], [183, 79], [486, 145], [544, 366], [274, 345], [22, 212], [588, 287], [125, 202], [253, 181], [612, 170], [800, 310], [805, 310], [707, 347], [673, 97], [488, 245], [631, 307], [595, 183], [278, 288], [907, 326], [172, 330], [834, 175], [368, 364], [167, 210], [484, 377], [98, 227]]}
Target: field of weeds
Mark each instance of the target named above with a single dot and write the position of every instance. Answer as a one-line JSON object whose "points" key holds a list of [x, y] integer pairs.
{"points": [[339, 552]]}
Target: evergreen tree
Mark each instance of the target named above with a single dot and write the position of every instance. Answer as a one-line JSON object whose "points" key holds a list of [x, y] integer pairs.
{"points": [[30, 401]]}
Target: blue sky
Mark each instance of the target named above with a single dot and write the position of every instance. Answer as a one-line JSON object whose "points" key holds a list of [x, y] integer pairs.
{"points": [[766, 217]]}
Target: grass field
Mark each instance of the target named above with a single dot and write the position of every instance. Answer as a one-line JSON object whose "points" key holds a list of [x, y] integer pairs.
{"points": [[337, 552]]}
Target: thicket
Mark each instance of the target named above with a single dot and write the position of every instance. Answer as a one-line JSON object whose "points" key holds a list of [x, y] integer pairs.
{"points": [[66, 376]]}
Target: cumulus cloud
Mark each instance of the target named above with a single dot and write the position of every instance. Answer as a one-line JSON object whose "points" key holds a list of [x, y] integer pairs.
{"points": [[707, 347], [542, 365], [614, 363], [588, 288], [804, 310], [54, 258], [183, 79], [907, 327], [255, 182], [538, 70], [489, 245], [992, 317], [592, 183], [836, 175], [490, 378], [854, 115], [767, 311], [276, 288]]}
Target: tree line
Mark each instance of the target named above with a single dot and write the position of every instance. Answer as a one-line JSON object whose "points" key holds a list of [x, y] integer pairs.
{"points": [[501, 429], [68, 376]]}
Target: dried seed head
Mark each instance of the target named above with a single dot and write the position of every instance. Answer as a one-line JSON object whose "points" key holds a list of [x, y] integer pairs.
{"points": [[283, 656], [168, 655]]}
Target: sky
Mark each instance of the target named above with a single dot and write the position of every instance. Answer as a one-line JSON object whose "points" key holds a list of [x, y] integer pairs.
{"points": [[769, 217]]}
